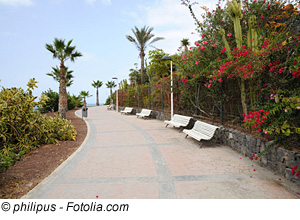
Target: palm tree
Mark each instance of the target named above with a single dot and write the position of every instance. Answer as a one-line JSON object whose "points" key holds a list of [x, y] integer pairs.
{"points": [[85, 94], [185, 43], [56, 73], [63, 52], [141, 41], [111, 85], [76, 100], [97, 85]]}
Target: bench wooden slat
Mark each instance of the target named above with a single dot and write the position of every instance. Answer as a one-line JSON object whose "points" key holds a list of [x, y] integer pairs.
{"points": [[144, 113], [110, 107], [201, 131], [178, 121], [127, 110]]}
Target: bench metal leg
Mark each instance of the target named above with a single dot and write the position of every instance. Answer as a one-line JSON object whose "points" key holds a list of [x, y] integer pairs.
{"points": [[186, 136], [167, 125], [201, 144]]}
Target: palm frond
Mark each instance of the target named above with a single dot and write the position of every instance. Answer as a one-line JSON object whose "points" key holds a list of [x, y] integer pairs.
{"points": [[110, 84], [55, 74], [156, 39], [62, 51], [97, 84]]}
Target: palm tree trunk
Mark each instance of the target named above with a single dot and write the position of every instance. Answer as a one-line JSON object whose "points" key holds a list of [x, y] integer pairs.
{"points": [[84, 102], [62, 106], [142, 66], [111, 101], [97, 98]]}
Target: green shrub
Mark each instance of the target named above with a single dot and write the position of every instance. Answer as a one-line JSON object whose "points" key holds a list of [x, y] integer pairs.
{"points": [[22, 129], [51, 104]]}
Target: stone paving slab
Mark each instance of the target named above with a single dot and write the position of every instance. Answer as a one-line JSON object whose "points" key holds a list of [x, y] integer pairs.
{"points": [[125, 157]]}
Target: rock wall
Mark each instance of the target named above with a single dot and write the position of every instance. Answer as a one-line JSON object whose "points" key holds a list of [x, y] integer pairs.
{"points": [[276, 158]]}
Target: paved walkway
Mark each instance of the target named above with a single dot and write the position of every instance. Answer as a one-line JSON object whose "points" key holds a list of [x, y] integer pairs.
{"points": [[127, 157]]}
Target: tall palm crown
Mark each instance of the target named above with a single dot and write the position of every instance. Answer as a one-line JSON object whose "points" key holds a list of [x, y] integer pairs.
{"points": [[56, 75], [97, 85], [185, 43], [63, 52], [111, 85], [142, 38]]}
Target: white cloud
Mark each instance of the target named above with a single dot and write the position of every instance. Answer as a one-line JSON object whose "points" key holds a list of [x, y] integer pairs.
{"points": [[138, 20], [105, 2], [173, 21], [91, 2], [16, 2]]}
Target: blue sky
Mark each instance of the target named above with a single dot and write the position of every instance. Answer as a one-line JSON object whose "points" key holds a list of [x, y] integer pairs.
{"points": [[98, 29]]}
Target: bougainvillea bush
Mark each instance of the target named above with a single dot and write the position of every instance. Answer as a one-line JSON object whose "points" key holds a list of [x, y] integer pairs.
{"points": [[22, 128], [255, 45], [245, 68]]}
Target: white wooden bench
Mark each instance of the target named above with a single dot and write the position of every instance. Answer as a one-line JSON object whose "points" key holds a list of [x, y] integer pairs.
{"points": [[145, 113], [178, 121], [127, 110], [201, 131], [110, 107]]}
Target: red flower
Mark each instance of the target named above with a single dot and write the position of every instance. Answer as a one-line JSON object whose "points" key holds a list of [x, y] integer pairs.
{"points": [[293, 170], [223, 50], [184, 79]]}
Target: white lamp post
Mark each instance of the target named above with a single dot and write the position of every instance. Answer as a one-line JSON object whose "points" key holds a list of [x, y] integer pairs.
{"points": [[168, 58], [117, 101]]}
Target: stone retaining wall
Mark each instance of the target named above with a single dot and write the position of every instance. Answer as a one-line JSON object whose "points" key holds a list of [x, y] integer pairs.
{"points": [[276, 158]]}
